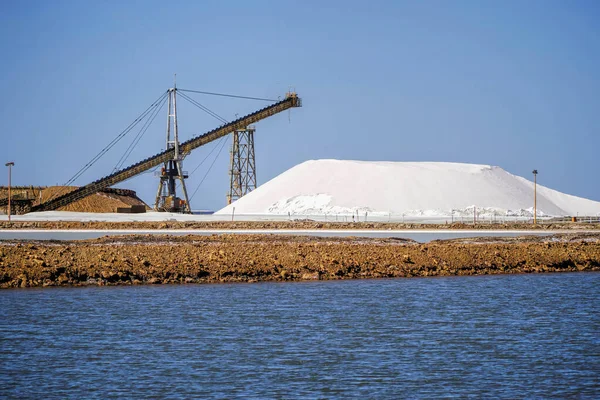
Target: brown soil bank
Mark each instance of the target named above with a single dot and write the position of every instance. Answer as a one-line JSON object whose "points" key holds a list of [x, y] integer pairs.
{"points": [[130, 260], [300, 224], [105, 201]]}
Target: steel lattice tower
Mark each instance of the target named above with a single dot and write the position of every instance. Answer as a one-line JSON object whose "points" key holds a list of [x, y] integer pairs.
{"points": [[172, 170], [242, 171]]}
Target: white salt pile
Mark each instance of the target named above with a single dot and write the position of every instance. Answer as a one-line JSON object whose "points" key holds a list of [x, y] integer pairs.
{"points": [[319, 187]]}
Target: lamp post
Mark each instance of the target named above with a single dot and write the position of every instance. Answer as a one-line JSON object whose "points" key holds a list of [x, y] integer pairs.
{"points": [[535, 172], [9, 165]]}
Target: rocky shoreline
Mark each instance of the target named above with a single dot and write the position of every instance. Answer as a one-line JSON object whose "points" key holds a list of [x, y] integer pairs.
{"points": [[163, 259]]}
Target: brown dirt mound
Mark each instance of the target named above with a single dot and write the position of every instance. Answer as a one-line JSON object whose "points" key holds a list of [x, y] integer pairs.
{"points": [[52, 192], [103, 202]]}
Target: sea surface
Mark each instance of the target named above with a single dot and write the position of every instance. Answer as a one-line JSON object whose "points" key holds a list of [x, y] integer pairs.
{"points": [[511, 336]]}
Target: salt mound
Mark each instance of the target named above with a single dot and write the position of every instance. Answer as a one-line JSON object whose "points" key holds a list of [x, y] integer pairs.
{"points": [[320, 187]]}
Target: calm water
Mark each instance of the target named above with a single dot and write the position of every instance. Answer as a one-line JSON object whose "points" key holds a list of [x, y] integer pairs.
{"points": [[534, 336], [419, 236]]}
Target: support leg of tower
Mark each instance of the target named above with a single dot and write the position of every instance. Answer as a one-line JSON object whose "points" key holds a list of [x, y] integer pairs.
{"points": [[188, 208], [235, 170], [157, 201], [242, 164]]}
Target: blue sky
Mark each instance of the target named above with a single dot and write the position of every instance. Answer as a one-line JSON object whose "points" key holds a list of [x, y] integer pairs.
{"points": [[508, 83]]}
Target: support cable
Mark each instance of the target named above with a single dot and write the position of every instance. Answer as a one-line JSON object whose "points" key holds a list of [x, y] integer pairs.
{"points": [[208, 155], [203, 108], [217, 116], [204, 159], [226, 95], [209, 168], [114, 141], [139, 135], [212, 113]]}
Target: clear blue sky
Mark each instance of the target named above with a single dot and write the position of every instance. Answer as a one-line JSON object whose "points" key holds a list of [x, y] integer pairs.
{"points": [[508, 83]]}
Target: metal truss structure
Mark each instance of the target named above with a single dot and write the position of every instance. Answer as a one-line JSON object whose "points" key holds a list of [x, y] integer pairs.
{"points": [[242, 171], [172, 170]]}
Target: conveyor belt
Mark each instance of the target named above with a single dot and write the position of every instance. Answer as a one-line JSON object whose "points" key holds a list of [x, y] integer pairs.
{"points": [[291, 100]]}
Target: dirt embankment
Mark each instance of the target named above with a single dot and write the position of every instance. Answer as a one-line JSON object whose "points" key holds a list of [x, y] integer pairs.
{"points": [[102, 202], [105, 201], [131, 260], [303, 224]]}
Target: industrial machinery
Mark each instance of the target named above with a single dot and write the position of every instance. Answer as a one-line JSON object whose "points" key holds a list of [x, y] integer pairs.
{"points": [[242, 168], [172, 170], [171, 158]]}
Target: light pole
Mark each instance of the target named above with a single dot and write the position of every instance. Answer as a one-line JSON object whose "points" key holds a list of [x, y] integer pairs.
{"points": [[9, 165], [535, 172]]}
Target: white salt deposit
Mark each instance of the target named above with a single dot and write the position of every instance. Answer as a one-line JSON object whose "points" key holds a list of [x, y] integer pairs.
{"points": [[102, 217], [427, 189]]}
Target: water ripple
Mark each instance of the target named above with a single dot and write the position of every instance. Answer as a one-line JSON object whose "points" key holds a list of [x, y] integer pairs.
{"points": [[519, 336]]}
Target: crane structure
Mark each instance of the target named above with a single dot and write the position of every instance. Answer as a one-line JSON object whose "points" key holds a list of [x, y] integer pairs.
{"points": [[172, 170], [171, 157], [242, 167]]}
